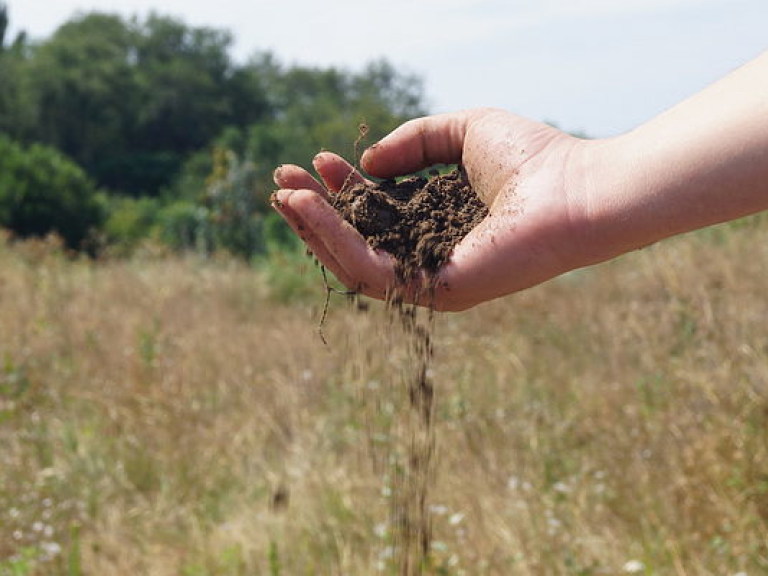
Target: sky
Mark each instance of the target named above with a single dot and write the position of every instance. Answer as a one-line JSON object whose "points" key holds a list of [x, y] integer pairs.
{"points": [[600, 67]]}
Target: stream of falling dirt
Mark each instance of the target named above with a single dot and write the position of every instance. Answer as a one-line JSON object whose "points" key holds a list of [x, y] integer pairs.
{"points": [[406, 461], [415, 474]]}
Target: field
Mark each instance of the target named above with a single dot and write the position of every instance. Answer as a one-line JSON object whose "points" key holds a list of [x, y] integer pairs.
{"points": [[171, 416]]}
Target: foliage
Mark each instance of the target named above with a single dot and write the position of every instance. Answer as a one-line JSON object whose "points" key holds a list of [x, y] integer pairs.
{"points": [[228, 215], [146, 106], [14, 108], [185, 226], [41, 191], [235, 206], [130, 220], [132, 100]]}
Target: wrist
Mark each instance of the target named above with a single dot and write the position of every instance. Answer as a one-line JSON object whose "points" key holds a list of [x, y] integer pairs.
{"points": [[606, 221], [638, 192]]}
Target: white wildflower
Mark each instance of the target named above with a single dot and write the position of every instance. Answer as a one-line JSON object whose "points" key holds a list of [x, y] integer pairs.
{"points": [[633, 567], [438, 509], [50, 549], [456, 519], [561, 488]]}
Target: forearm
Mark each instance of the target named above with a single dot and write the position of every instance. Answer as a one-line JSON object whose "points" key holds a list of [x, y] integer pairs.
{"points": [[704, 161]]}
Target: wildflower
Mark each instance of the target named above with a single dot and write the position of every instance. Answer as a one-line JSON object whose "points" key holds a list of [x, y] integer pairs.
{"points": [[456, 519], [633, 567], [554, 523], [561, 488], [438, 509], [50, 550], [380, 530]]}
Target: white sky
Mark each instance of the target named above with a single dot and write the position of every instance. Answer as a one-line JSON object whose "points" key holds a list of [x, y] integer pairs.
{"points": [[601, 66]]}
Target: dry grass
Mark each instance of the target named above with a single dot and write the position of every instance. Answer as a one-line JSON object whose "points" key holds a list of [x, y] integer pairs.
{"points": [[167, 417]]}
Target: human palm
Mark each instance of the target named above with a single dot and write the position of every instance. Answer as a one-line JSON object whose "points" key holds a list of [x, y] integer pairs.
{"points": [[531, 176]]}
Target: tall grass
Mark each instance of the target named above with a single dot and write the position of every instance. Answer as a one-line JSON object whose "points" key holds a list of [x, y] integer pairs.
{"points": [[172, 416]]}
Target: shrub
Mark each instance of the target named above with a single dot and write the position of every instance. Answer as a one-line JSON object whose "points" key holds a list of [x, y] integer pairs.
{"points": [[186, 226], [130, 221], [42, 191]]}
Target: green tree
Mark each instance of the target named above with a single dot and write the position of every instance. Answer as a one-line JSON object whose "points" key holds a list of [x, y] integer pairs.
{"points": [[183, 106], [85, 89], [322, 108], [141, 104], [236, 208], [41, 191], [131, 100], [15, 109]]}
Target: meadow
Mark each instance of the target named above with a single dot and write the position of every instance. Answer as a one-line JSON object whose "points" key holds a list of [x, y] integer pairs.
{"points": [[167, 415]]}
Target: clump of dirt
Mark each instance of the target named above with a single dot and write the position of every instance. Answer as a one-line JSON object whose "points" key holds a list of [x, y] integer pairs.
{"points": [[418, 220]]}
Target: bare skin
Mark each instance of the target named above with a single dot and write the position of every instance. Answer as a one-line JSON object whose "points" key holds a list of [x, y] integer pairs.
{"points": [[557, 202]]}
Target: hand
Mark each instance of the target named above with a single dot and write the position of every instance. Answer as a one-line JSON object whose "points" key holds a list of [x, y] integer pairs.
{"points": [[532, 176]]}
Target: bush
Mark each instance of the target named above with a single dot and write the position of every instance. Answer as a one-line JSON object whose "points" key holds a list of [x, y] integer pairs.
{"points": [[42, 191], [235, 207], [130, 221], [186, 226]]}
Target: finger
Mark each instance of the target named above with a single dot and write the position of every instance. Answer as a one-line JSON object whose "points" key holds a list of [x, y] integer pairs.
{"points": [[361, 268], [418, 144], [314, 244], [289, 176], [336, 172]]}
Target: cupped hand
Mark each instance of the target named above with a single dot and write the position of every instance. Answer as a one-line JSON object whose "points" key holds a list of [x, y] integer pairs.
{"points": [[533, 177]]}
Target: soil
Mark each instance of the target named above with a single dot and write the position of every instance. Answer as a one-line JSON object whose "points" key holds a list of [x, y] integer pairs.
{"points": [[418, 220]]}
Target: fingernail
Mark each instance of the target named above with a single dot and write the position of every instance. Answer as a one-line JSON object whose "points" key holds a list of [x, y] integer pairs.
{"points": [[276, 172], [279, 197], [317, 157], [365, 156]]}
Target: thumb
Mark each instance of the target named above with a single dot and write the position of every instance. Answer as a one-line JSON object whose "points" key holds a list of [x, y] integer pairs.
{"points": [[418, 144]]}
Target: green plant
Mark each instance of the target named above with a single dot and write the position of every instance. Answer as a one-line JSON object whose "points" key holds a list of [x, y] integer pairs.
{"points": [[42, 191], [21, 564]]}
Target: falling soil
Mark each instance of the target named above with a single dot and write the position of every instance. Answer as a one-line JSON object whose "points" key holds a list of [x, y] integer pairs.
{"points": [[419, 221]]}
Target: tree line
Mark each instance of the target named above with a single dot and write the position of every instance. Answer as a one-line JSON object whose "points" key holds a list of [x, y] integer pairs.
{"points": [[115, 129]]}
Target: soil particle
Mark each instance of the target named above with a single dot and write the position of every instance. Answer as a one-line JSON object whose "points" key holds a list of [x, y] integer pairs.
{"points": [[418, 220]]}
